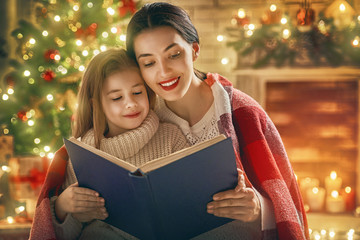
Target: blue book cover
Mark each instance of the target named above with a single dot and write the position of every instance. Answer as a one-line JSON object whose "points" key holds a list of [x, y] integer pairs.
{"points": [[165, 198]]}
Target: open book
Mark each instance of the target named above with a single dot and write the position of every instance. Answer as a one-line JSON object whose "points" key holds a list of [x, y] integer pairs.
{"points": [[165, 198]]}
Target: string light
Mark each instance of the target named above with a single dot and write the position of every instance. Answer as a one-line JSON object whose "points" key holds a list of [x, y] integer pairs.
{"points": [[103, 48], [31, 81], [6, 131], [27, 73], [286, 33], [114, 30], [57, 18], [76, 8], [5, 97], [283, 20], [122, 37], [85, 53], [31, 123], [10, 220], [220, 38], [79, 42], [19, 209], [105, 34], [224, 61], [50, 155], [81, 68], [32, 41], [10, 91], [45, 33], [241, 13], [342, 7], [110, 11], [90, 5], [49, 97], [46, 148], [355, 42], [42, 154], [5, 168], [251, 26], [273, 8], [37, 140]]}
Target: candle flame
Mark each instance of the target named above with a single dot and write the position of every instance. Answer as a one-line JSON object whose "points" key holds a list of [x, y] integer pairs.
{"points": [[348, 189], [335, 194], [10, 219], [333, 175]]}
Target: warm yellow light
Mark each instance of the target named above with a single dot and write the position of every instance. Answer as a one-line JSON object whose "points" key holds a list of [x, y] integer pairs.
{"points": [[96, 52], [79, 42], [49, 97], [323, 232], [5, 168], [105, 34], [286, 33], [45, 33], [50, 155], [315, 190], [57, 57], [114, 30], [110, 11], [220, 38], [342, 7], [355, 42], [333, 175], [224, 61], [90, 4], [348, 189], [241, 13], [31, 81], [46, 148], [81, 68], [76, 8], [249, 33], [273, 8], [332, 234], [5, 97], [335, 194], [6, 131], [36, 150], [42, 154], [283, 20], [103, 48], [19, 36], [251, 26], [37, 140], [10, 219], [32, 41], [358, 18], [85, 53], [57, 18], [19, 209], [123, 37], [317, 236], [31, 123], [10, 91], [27, 73]]}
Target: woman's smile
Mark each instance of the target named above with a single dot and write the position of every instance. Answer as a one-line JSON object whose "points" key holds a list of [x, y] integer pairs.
{"points": [[170, 84]]}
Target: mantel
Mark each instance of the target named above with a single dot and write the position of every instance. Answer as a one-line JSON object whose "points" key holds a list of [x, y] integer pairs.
{"points": [[252, 81]]}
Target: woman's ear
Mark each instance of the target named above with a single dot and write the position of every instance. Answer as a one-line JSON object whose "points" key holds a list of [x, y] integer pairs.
{"points": [[196, 50]]}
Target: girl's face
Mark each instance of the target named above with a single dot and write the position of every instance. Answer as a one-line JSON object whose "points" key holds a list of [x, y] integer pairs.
{"points": [[166, 61], [125, 102]]}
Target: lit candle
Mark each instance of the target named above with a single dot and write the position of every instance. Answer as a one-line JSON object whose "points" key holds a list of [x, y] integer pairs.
{"points": [[349, 197], [335, 203], [315, 198], [333, 183], [308, 183]]}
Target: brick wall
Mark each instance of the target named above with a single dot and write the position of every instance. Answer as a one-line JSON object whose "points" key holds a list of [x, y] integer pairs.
{"points": [[211, 17]]}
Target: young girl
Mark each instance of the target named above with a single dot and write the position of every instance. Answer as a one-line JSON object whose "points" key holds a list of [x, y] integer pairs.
{"points": [[115, 115], [164, 42]]}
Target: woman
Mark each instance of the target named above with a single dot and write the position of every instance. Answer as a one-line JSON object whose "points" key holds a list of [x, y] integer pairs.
{"points": [[164, 42]]}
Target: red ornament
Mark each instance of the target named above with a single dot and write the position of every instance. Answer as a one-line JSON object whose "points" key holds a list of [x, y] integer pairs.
{"points": [[89, 31], [127, 6], [305, 16], [22, 115], [241, 21], [48, 75], [10, 81], [50, 54]]}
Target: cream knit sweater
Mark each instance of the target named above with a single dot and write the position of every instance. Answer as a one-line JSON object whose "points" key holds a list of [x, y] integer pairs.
{"points": [[149, 141]]}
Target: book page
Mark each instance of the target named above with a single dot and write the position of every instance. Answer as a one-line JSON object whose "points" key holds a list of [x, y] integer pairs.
{"points": [[105, 155], [159, 162]]}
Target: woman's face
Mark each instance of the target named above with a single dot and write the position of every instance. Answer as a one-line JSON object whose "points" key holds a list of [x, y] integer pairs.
{"points": [[125, 102], [166, 61]]}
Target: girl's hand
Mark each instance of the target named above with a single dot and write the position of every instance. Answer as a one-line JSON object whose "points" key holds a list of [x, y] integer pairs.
{"points": [[83, 203], [240, 203]]}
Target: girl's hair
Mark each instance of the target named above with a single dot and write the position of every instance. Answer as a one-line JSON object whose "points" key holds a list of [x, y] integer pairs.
{"points": [[89, 113], [158, 14]]}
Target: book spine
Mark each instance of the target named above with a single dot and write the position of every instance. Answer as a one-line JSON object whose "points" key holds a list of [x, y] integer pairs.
{"points": [[146, 209]]}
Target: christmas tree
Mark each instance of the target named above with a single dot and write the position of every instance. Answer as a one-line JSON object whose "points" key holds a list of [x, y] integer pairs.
{"points": [[38, 97]]}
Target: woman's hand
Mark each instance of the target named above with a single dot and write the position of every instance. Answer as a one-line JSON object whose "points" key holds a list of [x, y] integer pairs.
{"points": [[240, 203], [83, 203]]}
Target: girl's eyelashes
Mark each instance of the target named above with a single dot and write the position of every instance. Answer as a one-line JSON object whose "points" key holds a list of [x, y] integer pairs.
{"points": [[148, 64], [118, 98], [137, 93]]}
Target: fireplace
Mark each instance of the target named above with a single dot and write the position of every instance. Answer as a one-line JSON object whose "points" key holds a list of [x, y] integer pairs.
{"points": [[317, 114]]}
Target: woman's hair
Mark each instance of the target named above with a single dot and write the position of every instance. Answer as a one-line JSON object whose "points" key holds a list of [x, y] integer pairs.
{"points": [[158, 14], [89, 113]]}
